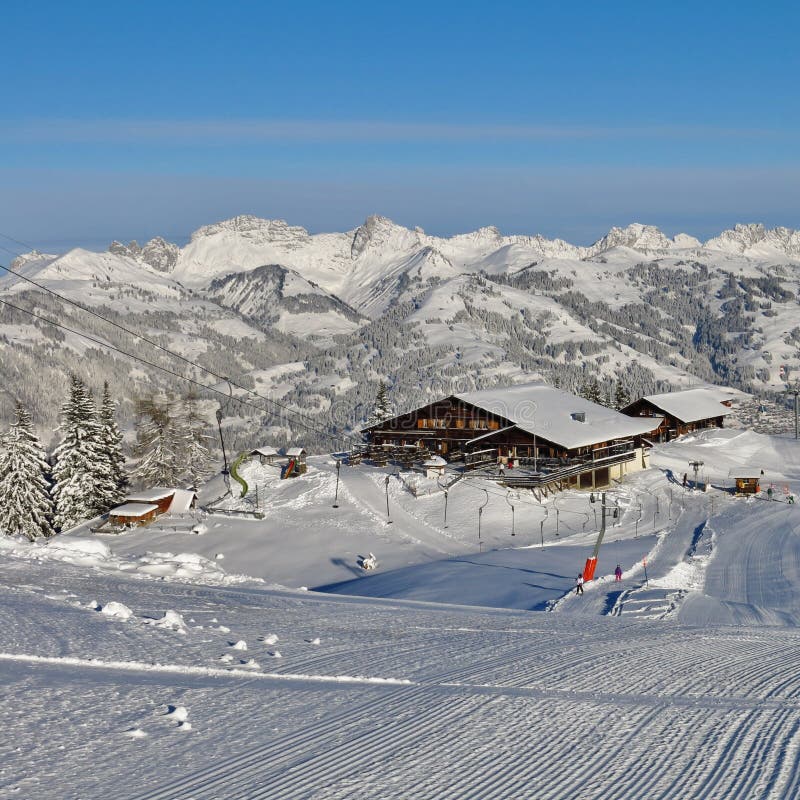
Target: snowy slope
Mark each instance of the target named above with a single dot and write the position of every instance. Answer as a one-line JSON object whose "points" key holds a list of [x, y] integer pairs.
{"points": [[159, 676]]}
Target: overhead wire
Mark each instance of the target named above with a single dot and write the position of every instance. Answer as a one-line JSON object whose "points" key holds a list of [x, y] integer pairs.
{"points": [[301, 419], [109, 346]]}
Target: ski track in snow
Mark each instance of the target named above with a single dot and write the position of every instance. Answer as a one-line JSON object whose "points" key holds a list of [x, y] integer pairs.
{"points": [[688, 690]]}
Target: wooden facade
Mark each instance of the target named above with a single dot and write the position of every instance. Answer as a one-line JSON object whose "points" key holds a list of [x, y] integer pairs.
{"points": [[670, 426], [452, 427]]}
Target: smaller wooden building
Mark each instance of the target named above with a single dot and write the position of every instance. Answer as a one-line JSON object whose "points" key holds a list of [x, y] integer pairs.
{"points": [[160, 496], [266, 455], [679, 413], [746, 482], [133, 514]]}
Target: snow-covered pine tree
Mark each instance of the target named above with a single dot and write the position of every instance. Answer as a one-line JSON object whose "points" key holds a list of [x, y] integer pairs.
{"points": [[81, 482], [160, 444], [621, 396], [194, 433], [112, 448], [383, 406], [591, 391], [25, 503]]}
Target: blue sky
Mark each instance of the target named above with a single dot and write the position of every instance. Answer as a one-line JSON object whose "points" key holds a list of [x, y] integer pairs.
{"points": [[129, 120]]}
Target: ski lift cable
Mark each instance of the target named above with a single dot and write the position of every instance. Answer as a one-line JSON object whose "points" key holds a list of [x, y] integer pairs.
{"points": [[141, 360], [333, 434], [146, 339]]}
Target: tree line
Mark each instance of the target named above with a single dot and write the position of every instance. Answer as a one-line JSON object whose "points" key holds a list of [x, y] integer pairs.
{"points": [[86, 475]]}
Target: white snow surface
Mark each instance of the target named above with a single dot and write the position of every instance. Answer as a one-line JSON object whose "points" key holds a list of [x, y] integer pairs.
{"points": [[691, 405], [430, 676], [550, 413]]}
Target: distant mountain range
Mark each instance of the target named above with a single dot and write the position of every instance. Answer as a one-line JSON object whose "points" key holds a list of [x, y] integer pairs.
{"points": [[319, 319]]}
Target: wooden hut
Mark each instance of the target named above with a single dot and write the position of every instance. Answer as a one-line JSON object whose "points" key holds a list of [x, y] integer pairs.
{"points": [[266, 455], [160, 496], [746, 481], [133, 514]]}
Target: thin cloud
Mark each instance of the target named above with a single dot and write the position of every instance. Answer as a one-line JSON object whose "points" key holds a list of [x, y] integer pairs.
{"points": [[209, 131]]}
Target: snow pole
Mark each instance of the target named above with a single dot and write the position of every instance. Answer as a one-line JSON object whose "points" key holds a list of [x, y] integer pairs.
{"points": [[388, 518], [644, 564]]}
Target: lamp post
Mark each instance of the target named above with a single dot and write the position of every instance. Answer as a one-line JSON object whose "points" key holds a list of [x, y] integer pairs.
{"points": [[513, 517], [222, 443], [480, 514], [336, 495], [541, 524], [388, 518]]}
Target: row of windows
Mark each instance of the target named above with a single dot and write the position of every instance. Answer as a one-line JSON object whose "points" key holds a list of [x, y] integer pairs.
{"points": [[471, 424]]}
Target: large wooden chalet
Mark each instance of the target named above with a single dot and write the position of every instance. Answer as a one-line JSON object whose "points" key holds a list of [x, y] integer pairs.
{"points": [[683, 412], [534, 425]]}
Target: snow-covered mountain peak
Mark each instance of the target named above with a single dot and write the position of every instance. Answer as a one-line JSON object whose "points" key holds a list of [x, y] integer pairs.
{"points": [[644, 238], [755, 239], [274, 231], [160, 254], [27, 258], [381, 234], [683, 241]]}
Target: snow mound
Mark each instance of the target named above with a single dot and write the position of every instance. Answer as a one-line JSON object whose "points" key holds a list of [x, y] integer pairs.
{"points": [[135, 733], [92, 553], [171, 620], [270, 638], [240, 645], [178, 713], [116, 610]]}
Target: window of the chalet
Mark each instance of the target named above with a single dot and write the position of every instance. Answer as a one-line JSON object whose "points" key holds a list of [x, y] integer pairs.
{"points": [[478, 424], [493, 425], [460, 423]]}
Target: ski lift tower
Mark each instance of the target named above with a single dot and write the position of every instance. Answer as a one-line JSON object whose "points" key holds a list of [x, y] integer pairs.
{"points": [[695, 465], [591, 562]]}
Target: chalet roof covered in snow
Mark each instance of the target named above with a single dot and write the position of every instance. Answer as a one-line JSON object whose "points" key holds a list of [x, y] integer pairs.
{"points": [[691, 405], [558, 416], [182, 501], [296, 452], [267, 452], [150, 495], [132, 510]]}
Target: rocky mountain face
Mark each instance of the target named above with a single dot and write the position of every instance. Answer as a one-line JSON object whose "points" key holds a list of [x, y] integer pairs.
{"points": [[316, 320]]}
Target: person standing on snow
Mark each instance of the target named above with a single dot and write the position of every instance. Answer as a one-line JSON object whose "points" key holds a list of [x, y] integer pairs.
{"points": [[618, 573], [579, 584]]}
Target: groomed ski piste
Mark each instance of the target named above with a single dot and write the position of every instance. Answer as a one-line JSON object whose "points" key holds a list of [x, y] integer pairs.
{"points": [[235, 657]]}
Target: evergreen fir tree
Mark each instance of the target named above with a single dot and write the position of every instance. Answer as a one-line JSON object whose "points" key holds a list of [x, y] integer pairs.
{"points": [[25, 503], [383, 406], [112, 447], [81, 472], [194, 433], [621, 396], [160, 443], [590, 390]]}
